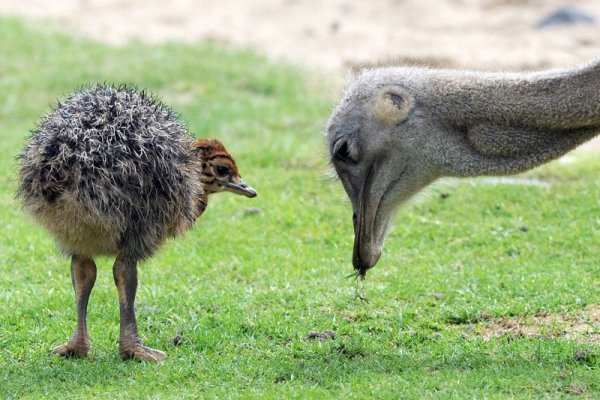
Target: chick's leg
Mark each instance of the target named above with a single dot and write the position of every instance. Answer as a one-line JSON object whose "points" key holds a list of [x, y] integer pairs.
{"points": [[83, 275], [130, 345]]}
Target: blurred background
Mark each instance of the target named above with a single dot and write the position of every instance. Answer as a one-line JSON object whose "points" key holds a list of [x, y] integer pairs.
{"points": [[335, 34]]}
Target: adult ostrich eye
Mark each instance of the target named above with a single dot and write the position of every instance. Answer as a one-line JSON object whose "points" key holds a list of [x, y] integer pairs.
{"points": [[222, 170], [341, 152]]}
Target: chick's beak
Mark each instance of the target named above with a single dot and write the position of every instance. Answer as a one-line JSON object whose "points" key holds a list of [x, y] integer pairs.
{"points": [[240, 187]]}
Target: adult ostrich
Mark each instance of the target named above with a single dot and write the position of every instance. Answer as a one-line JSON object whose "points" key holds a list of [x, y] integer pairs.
{"points": [[396, 130]]}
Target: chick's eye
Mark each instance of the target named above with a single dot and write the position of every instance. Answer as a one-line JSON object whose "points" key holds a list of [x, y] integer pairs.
{"points": [[342, 153], [222, 170]]}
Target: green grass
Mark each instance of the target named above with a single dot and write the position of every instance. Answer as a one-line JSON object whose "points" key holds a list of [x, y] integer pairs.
{"points": [[244, 289]]}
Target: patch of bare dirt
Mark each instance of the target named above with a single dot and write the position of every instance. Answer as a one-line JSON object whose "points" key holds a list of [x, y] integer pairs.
{"points": [[327, 334], [583, 327]]}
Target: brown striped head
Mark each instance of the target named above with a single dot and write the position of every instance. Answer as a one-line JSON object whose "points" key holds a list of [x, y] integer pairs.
{"points": [[219, 171]]}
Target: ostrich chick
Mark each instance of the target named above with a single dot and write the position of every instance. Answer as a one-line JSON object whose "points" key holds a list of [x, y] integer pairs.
{"points": [[112, 171]]}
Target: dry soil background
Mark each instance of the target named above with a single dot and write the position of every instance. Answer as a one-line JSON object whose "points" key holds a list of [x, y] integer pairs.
{"points": [[489, 34], [335, 35]]}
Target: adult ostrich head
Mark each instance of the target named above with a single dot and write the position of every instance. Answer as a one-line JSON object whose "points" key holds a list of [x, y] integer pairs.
{"points": [[396, 130]]}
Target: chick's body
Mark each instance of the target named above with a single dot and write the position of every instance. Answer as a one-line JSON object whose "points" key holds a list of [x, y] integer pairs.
{"points": [[109, 170]]}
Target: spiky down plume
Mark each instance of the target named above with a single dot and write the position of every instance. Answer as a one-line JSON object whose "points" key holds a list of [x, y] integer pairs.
{"points": [[109, 170]]}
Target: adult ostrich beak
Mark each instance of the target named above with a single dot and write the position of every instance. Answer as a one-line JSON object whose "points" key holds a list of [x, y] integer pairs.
{"points": [[366, 251], [362, 260]]}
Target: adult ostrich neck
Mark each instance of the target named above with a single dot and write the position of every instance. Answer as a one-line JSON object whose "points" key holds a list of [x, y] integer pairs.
{"points": [[509, 123]]}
